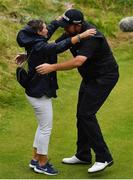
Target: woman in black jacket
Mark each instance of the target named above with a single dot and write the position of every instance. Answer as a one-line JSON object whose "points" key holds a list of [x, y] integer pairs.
{"points": [[41, 88]]}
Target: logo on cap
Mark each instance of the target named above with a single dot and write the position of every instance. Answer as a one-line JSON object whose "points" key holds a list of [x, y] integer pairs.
{"points": [[68, 19], [77, 22]]}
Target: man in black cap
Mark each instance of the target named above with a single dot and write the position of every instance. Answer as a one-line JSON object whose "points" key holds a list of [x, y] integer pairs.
{"points": [[99, 71]]}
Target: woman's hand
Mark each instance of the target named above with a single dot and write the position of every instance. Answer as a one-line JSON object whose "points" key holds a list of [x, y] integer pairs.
{"points": [[20, 58], [68, 5], [59, 18], [44, 68], [87, 33]]}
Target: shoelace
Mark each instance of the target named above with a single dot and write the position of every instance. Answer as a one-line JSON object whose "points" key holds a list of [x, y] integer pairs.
{"points": [[97, 163], [50, 164]]}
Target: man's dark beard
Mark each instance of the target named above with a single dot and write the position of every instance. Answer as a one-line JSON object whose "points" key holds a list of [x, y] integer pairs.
{"points": [[73, 34]]}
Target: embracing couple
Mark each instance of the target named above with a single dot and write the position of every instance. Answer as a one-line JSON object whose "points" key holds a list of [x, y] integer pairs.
{"points": [[98, 69]]}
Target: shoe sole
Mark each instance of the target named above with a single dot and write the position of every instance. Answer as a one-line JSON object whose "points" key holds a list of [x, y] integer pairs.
{"points": [[43, 172], [109, 165], [32, 166]]}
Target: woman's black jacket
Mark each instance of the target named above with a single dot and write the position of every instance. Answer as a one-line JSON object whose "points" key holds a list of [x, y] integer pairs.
{"points": [[40, 51]]}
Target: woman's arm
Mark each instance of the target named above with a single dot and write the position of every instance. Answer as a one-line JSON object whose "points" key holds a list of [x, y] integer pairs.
{"points": [[52, 28], [54, 24], [63, 45], [66, 43]]}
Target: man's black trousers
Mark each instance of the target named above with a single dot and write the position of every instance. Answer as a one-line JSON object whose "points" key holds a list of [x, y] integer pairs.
{"points": [[92, 95]]}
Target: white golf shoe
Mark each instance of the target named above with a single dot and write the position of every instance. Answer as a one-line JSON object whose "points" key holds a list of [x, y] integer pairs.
{"points": [[74, 160], [99, 166]]}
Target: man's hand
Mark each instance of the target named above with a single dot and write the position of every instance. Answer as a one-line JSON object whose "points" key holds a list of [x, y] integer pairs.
{"points": [[67, 65], [87, 33], [44, 68], [20, 58]]}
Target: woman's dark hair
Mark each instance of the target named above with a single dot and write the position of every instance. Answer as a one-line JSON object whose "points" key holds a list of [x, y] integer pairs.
{"points": [[36, 25]]}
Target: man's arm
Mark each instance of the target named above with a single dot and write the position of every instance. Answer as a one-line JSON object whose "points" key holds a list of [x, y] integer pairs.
{"points": [[67, 65], [63, 45]]}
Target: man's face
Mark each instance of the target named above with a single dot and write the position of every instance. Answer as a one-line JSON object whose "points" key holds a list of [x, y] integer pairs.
{"points": [[72, 29]]}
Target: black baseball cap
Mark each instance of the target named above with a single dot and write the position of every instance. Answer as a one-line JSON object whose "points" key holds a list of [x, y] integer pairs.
{"points": [[71, 16]]}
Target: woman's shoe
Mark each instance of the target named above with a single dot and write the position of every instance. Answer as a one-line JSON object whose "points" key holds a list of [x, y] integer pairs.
{"points": [[47, 169], [33, 163]]}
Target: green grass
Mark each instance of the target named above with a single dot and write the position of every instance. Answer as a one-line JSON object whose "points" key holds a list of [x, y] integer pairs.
{"points": [[17, 121]]}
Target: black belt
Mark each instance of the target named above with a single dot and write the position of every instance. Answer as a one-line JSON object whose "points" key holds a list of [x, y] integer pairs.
{"points": [[106, 68], [101, 70]]}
